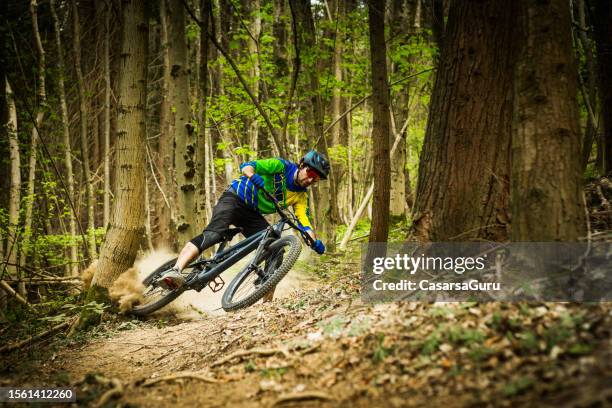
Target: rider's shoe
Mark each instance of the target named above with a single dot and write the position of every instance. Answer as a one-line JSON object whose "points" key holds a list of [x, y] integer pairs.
{"points": [[173, 279]]}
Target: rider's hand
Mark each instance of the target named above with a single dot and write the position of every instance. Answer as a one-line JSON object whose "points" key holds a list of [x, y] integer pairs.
{"points": [[257, 180], [318, 247]]}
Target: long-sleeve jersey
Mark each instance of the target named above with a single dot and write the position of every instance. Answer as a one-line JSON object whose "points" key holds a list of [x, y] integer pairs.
{"points": [[279, 180]]}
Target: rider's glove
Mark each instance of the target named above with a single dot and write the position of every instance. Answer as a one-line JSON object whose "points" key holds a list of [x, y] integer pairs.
{"points": [[257, 180], [318, 247]]}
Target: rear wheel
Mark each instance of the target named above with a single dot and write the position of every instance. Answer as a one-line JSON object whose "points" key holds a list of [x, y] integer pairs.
{"points": [[254, 281], [154, 296]]}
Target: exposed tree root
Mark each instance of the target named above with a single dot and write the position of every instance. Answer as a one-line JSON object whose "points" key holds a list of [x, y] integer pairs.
{"points": [[194, 375], [116, 391], [242, 353], [301, 396], [30, 339]]}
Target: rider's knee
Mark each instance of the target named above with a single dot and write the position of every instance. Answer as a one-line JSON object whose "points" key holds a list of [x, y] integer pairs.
{"points": [[206, 239]]}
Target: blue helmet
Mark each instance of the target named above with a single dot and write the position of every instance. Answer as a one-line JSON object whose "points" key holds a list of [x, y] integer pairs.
{"points": [[317, 161]]}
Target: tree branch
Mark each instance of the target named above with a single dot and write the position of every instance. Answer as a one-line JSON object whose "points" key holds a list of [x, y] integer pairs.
{"points": [[229, 59]]}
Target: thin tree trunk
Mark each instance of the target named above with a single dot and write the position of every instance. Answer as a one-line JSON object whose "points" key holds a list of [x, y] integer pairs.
{"points": [[166, 142], [380, 130], [66, 140], [547, 202], [40, 112], [126, 227], [180, 122], [327, 211], [602, 12], [202, 182], [15, 189], [107, 114], [90, 198], [253, 49]]}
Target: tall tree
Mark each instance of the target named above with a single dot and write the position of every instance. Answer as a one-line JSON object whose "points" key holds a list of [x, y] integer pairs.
{"points": [[41, 107], [602, 23], [327, 210], [15, 186], [126, 227], [547, 203], [165, 157], [180, 121], [463, 181], [380, 131], [202, 175], [65, 136], [89, 197]]}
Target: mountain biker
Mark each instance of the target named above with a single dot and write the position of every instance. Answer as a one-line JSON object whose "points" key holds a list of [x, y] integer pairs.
{"points": [[242, 204]]}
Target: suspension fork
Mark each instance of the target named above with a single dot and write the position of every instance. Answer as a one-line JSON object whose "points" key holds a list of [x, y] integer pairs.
{"points": [[266, 240]]}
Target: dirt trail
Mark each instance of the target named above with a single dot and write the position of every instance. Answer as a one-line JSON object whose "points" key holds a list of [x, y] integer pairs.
{"points": [[320, 346]]}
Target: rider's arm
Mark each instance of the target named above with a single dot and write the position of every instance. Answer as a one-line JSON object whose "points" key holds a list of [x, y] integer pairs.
{"points": [[264, 166], [301, 212]]}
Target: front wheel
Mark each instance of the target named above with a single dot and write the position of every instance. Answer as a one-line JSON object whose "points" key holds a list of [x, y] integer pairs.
{"points": [[254, 281], [155, 297]]}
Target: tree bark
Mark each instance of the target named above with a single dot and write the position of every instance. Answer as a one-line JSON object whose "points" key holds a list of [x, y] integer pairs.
{"points": [[602, 23], [326, 214], [463, 188], [547, 203], [15, 189], [74, 271], [589, 96], [107, 114], [126, 228], [253, 52], [202, 178], [165, 158], [40, 112], [180, 122], [380, 131], [90, 198]]}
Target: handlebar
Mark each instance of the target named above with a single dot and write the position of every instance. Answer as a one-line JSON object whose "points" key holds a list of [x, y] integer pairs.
{"points": [[305, 236]]}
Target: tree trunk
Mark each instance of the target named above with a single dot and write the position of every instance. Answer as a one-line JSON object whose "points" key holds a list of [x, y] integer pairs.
{"points": [[15, 189], [126, 227], [462, 190], [602, 23], [74, 270], [90, 198], [202, 182], [380, 131], [326, 213], [547, 203], [166, 143], [253, 50], [40, 112], [180, 122], [107, 114]]}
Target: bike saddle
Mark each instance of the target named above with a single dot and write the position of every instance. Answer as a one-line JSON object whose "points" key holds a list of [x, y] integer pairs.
{"points": [[230, 233]]}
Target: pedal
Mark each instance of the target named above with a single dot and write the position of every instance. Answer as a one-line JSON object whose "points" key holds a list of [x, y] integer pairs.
{"points": [[216, 284]]}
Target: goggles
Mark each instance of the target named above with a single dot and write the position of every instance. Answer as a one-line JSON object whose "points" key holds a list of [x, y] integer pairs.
{"points": [[313, 174]]}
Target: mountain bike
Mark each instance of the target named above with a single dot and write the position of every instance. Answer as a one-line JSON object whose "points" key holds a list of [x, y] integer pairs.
{"points": [[274, 256]]}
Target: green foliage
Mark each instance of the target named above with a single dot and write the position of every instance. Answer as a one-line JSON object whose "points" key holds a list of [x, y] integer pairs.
{"points": [[380, 352], [431, 343], [192, 31], [333, 327], [517, 386]]}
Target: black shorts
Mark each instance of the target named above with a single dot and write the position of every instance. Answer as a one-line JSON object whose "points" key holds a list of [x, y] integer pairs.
{"points": [[230, 210]]}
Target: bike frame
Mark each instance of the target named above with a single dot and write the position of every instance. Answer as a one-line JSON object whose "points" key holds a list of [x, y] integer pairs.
{"points": [[227, 257]]}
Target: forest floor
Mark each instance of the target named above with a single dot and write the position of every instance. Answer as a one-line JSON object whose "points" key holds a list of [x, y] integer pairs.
{"points": [[319, 345]]}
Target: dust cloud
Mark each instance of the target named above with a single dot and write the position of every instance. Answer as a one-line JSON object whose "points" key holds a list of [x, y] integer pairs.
{"points": [[191, 305]]}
